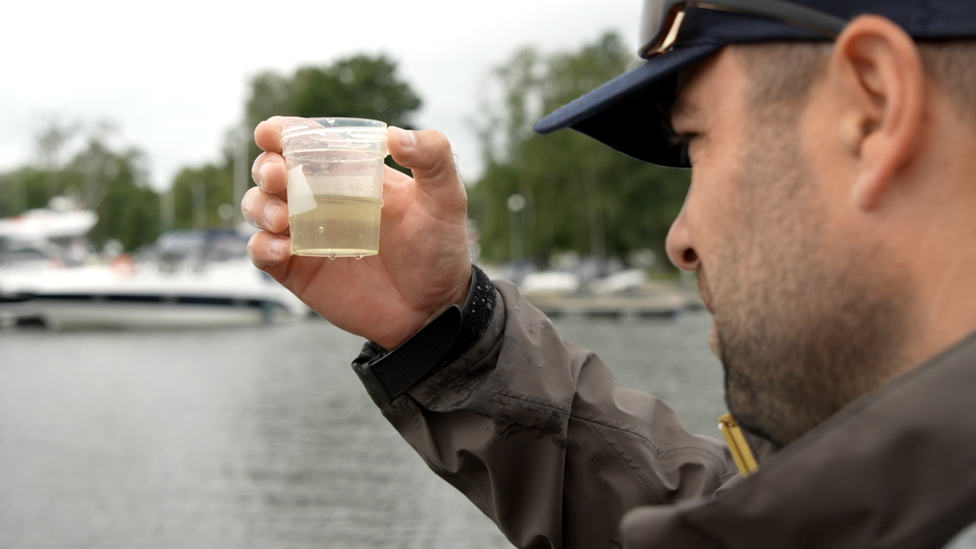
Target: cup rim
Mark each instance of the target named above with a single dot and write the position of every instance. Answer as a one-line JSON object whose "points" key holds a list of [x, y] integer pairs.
{"points": [[301, 125]]}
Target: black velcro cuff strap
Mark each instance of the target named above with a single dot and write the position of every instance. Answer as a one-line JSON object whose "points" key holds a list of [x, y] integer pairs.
{"points": [[414, 358], [442, 341]]}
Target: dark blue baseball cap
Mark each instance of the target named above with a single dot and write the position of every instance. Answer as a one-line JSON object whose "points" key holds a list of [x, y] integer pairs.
{"points": [[631, 112]]}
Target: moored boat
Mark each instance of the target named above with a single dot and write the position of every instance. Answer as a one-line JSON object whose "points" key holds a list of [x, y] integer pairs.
{"points": [[188, 279]]}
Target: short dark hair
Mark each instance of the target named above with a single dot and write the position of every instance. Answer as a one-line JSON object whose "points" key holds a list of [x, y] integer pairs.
{"points": [[951, 64], [782, 73]]}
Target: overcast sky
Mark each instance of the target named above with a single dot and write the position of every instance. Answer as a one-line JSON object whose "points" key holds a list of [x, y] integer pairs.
{"points": [[173, 78]]}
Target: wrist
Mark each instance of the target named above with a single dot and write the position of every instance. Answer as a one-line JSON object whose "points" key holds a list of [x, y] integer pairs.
{"points": [[463, 292], [444, 339], [458, 296]]}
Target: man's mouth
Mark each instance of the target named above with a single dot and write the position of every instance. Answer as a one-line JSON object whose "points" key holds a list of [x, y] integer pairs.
{"points": [[704, 293], [706, 298]]}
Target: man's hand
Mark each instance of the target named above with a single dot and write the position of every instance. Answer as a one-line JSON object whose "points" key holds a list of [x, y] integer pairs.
{"points": [[423, 265]]}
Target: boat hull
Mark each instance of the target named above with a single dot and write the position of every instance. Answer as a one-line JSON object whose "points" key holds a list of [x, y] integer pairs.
{"points": [[134, 312]]}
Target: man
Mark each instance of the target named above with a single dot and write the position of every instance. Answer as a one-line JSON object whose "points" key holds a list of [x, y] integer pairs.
{"points": [[831, 221]]}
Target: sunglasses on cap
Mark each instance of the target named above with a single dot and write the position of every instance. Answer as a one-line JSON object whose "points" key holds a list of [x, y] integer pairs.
{"points": [[661, 19]]}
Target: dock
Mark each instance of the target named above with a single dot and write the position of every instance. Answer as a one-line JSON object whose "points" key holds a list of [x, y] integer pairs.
{"points": [[656, 302]]}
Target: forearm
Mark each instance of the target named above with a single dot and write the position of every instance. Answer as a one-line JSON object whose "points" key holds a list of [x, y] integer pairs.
{"points": [[536, 434]]}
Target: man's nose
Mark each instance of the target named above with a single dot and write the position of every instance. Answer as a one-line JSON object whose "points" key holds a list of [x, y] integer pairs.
{"points": [[681, 251]]}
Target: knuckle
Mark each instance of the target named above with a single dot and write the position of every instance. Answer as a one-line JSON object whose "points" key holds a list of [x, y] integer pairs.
{"points": [[439, 141], [441, 155]]}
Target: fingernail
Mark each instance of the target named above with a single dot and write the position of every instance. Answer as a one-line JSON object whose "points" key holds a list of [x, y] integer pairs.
{"points": [[406, 138], [263, 174], [244, 210], [270, 213], [276, 246]]}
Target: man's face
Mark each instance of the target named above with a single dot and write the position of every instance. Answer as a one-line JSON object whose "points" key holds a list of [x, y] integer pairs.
{"points": [[799, 332]]}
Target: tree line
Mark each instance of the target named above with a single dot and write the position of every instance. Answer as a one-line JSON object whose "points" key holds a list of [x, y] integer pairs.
{"points": [[571, 193], [538, 195]]}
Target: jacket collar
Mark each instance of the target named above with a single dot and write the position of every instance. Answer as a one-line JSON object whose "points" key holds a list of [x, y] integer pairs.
{"points": [[892, 469]]}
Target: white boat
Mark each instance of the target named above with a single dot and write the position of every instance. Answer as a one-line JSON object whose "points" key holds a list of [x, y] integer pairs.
{"points": [[188, 279], [63, 220]]}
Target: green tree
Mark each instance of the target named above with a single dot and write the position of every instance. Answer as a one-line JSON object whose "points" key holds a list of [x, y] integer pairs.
{"points": [[23, 189], [115, 185], [579, 195], [360, 86], [200, 194], [111, 182]]}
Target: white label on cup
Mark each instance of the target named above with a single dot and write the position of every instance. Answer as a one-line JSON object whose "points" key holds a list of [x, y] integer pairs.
{"points": [[300, 196]]}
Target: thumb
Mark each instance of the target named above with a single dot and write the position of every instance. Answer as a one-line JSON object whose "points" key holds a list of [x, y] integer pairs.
{"points": [[428, 155]]}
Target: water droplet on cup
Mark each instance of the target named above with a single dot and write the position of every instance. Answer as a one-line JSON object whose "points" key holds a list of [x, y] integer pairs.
{"points": [[321, 230]]}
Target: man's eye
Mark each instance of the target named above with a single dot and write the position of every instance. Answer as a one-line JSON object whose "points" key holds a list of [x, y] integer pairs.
{"points": [[683, 141]]}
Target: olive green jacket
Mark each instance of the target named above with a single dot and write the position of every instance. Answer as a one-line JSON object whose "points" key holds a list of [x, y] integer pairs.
{"points": [[534, 432]]}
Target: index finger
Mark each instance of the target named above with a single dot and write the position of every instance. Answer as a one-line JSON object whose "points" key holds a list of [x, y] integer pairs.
{"points": [[267, 134]]}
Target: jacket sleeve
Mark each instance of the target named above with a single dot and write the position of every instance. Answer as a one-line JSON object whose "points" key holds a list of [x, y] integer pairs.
{"points": [[534, 432]]}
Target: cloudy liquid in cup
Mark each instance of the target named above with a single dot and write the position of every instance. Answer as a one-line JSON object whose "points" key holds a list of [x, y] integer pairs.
{"points": [[339, 226]]}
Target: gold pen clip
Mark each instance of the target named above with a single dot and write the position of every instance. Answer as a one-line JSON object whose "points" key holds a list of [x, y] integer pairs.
{"points": [[741, 452]]}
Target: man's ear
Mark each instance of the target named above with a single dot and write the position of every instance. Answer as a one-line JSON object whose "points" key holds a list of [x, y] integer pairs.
{"points": [[879, 70]]}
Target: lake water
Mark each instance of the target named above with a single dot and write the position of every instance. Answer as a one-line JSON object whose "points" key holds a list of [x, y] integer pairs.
{"points": [[257, 437]]}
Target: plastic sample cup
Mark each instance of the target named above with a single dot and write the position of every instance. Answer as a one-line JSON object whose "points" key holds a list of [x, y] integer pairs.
{"points": [[335, 185]]}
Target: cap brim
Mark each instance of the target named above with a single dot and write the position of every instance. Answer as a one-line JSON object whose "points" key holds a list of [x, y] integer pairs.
{"points": [[629, 112]]}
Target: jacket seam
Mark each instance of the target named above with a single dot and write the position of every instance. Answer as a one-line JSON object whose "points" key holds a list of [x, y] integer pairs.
{"points": [[635, 471], [659, 452]]}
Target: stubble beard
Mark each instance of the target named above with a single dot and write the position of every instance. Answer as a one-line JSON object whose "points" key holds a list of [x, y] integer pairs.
{"points": [[801, 332]]}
